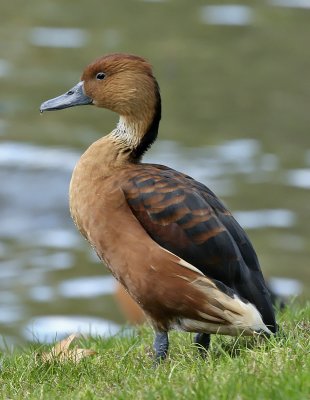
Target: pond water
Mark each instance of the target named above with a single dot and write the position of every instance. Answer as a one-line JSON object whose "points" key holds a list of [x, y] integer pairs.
{"points": [[236, 99]]}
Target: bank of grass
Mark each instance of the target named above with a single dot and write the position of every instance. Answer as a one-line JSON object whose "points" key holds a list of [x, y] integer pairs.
{"points": [[277, 368]]}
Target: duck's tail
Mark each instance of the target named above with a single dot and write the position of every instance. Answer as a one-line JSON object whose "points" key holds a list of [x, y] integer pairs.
{"points": [[224, 313]]}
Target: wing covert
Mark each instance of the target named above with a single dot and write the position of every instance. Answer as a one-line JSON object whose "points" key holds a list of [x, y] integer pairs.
{"points": [[182, 216]]}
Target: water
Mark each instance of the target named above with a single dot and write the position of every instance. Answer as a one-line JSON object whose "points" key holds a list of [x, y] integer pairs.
{"points": [[233, 14], [236, 116], [299, 178], [291, 3], [51, 328], [58, 37]]}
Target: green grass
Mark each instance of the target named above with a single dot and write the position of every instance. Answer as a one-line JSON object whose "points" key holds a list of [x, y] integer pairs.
{"points": [[276, 368]]}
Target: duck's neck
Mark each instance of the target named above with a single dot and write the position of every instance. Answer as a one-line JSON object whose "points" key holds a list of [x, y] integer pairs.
{"points": [[135, 134], [127, 143]]}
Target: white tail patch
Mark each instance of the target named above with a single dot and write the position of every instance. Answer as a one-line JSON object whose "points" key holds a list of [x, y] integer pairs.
{"points": [[249, 324], [230, 315], [250, 317]]}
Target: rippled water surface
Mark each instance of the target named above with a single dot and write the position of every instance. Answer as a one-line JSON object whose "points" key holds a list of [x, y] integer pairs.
{"points": [[236, 99]]}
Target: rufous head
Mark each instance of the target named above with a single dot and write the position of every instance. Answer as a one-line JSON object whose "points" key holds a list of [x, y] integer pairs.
{"points": [[122, 83]]}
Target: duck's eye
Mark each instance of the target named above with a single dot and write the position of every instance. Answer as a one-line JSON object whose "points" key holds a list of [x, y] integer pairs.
{"points": [[100, 76]]}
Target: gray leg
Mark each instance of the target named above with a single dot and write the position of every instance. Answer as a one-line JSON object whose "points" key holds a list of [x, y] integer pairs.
{"points": [[203, 342], [161, 344]]}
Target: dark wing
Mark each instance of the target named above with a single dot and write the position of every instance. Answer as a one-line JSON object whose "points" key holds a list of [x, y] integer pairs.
{"points": [[186, 218], [240, 237]]}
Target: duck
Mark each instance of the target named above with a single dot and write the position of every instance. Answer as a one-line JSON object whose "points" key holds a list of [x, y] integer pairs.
{"points": [[167, 238]]}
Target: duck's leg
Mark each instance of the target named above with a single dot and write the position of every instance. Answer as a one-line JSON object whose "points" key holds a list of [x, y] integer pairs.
{"points": [[161, 344], [202, 340]]}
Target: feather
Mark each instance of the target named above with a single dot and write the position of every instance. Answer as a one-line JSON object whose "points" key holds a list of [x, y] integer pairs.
{"points": [[186, 218]]}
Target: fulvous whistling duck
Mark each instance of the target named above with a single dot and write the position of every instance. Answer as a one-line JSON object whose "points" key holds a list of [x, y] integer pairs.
{"points": [[166, 237]]}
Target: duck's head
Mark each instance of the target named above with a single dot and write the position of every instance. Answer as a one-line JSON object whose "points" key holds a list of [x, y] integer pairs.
{"points": [[122, 83]]}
